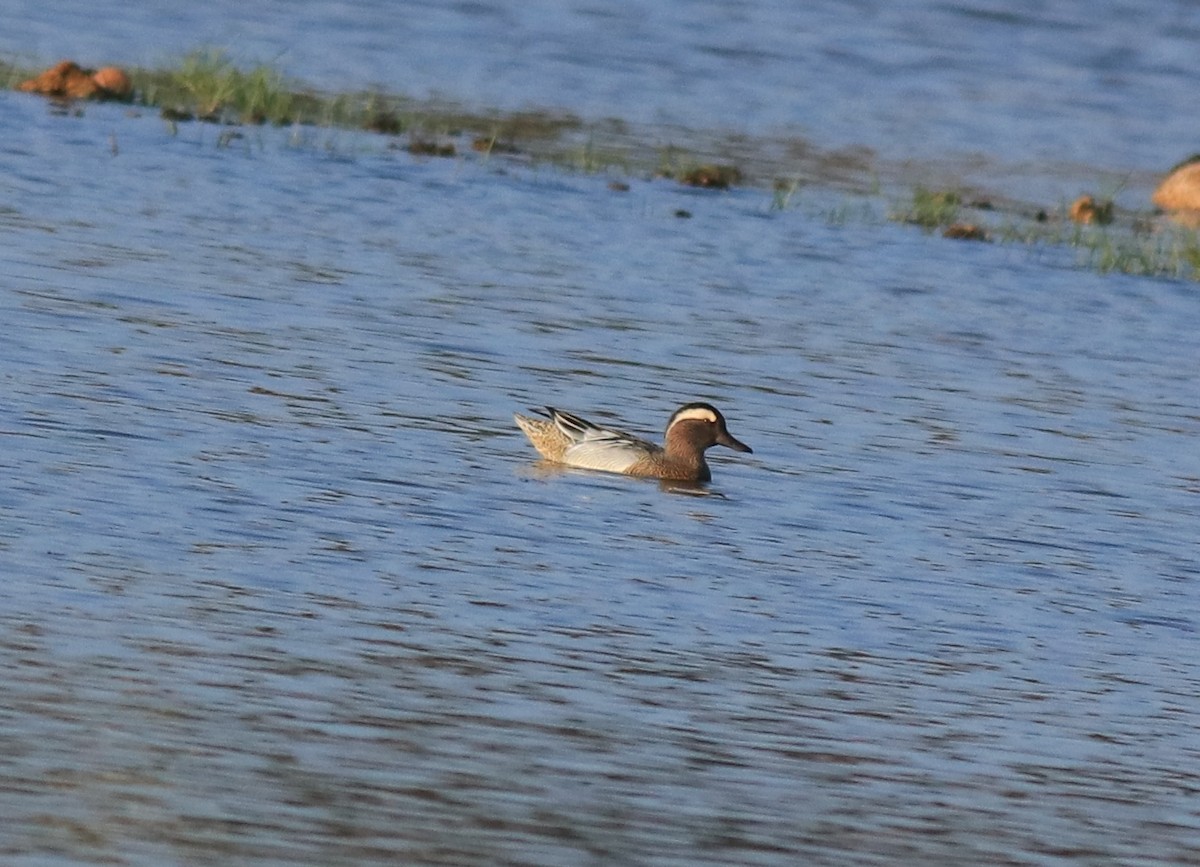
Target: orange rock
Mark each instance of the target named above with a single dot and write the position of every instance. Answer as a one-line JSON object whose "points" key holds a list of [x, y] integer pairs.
{"points": [[1085, 209], [1180, 190], [114, 82], [64, 79]]}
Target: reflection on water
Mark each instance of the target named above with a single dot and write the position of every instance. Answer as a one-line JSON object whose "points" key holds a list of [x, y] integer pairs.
{"points": [[544, 470], [283, 583]]}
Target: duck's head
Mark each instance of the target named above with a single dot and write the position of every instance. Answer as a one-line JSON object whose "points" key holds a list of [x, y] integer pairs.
{"points": [[702, 426]]}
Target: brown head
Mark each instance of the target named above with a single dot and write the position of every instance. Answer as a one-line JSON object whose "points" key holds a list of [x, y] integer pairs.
{"points": [[697, 426]]}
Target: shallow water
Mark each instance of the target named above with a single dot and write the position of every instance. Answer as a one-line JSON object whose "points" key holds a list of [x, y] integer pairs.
{"points": [[284, 585], [1101, 84]]}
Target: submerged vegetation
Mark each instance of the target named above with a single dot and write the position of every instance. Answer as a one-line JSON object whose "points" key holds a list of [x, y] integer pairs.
{"points": [[214, 86], [208, 86], [1171, 253], [932, 209], [1142, 246]]}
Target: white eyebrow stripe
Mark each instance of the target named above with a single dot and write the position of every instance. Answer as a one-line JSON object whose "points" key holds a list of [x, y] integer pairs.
{"points": [[697, 413]]}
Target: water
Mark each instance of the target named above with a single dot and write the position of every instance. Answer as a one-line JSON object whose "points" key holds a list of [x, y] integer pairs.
{"points": [[1102, 84], [284, 585]]}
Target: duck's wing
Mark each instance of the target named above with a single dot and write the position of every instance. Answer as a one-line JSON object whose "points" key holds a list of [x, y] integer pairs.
{"points": [[572, 426], [598, 448]]}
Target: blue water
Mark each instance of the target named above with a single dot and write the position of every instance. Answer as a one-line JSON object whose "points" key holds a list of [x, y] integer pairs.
{"points": [[1102, 83], [284, 585]]}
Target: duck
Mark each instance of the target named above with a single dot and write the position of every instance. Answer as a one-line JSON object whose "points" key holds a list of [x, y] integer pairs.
{"points": [[568, 439]]}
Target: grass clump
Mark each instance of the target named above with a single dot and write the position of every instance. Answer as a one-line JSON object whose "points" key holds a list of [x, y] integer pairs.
{"points": [[1174, 253], [782, 191], [11, 74], [262, 96], [1142, 250], [209, 81], [208, 86], [931, 209]]}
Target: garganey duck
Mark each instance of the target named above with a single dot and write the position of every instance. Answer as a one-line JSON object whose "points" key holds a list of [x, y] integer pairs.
{"points": [[576, 442]]}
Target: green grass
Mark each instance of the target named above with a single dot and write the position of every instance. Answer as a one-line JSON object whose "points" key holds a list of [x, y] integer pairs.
{"points": [[11, 75], [1139, 247], [1170, 253], [208, 85], [931, 209], [783, 190], [1165, 250]]}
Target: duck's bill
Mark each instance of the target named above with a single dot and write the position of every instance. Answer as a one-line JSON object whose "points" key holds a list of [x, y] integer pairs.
{"points": [[737, 445]]}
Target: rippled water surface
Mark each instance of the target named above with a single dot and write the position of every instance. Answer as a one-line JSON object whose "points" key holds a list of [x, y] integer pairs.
{"points": [[283, 584], [1104, 83]]}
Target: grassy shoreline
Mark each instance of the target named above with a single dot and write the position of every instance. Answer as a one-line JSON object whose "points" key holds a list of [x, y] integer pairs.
{"points": [[207, 86]]}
